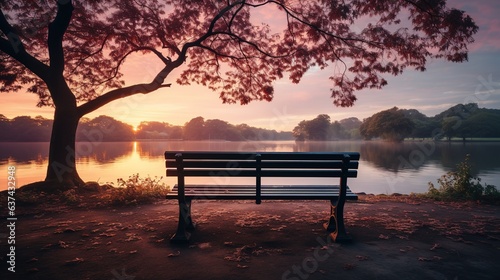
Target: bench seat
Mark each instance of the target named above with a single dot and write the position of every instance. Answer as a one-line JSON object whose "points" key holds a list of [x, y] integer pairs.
{"points": [[268, 192]]}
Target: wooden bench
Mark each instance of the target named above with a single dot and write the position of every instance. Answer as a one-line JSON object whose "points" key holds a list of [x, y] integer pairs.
{"points": [[261, 165]]}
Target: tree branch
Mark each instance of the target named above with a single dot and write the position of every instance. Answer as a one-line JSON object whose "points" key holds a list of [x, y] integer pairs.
{"points": [[15, 49], [130, 90], [255, 46], [89, 54], [346, 40], [164, 59], [210, 29]]}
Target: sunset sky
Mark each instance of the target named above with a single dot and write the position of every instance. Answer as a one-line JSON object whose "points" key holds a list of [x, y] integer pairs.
{"points": [[443, 85]]}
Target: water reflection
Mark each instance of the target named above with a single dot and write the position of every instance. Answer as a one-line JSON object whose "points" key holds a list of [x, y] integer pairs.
{"points": [[24, 152], [103, 152], [387, 167], [392, 157]]}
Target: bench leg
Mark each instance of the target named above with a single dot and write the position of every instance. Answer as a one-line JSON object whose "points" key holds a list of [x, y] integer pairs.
{"points": [[335, 224], [185, 223]]}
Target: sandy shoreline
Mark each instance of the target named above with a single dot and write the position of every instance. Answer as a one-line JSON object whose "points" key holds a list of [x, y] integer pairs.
{"points": [[392, 239]]}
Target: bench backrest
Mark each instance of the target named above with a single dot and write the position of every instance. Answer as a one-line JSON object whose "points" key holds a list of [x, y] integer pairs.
{"points": [[261, 164], [265, 164]]}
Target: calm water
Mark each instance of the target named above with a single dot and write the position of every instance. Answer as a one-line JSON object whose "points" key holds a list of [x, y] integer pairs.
{"points": [[384, 167]]}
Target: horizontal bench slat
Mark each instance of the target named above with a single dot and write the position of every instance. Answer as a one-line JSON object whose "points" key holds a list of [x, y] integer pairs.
{"points": [[263, 173], [306, 173], [308, 164], [268, 192], [212, 164], [264, 155], [252, 187], [214, 172], [302, 164], [209, 155], [308, 155]]}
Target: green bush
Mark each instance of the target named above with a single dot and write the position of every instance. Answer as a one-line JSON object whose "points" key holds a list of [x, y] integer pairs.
{"points": [[461, 185], [137, 190]]}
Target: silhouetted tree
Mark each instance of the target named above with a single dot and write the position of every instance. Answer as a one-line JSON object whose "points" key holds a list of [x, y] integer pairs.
{"points": [[4, 128], [75, 61], [104, 128], [195, 129], [390, 125], [300, 132], [351, 126], [318, 128], [337, 132], [158, 130], [26, 129]]}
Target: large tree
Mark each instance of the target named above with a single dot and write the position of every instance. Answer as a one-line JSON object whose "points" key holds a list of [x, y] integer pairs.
{"points": [[72, 53]]}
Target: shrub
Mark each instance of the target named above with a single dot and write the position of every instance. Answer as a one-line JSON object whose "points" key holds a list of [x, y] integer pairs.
{"points": [[137, 190], [461, 185]]}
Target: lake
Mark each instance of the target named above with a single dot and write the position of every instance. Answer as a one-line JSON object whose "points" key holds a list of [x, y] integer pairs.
{"points": [[385, 168]]}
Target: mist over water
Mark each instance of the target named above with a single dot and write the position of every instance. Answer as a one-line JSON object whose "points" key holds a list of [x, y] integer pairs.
{"points": [[384, 167]]}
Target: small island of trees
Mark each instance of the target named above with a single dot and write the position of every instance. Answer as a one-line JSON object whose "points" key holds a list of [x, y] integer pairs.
{"points": [[460, 121]]}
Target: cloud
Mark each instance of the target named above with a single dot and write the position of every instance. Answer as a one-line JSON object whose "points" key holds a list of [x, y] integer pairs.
{"points": [[485, 14]]}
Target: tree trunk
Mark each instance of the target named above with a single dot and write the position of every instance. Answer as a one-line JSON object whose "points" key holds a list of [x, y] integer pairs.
{"points": [[61, 169]]}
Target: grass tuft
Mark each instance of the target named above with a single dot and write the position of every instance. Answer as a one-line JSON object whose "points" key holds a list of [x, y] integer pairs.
{"points": [[136, 190]]}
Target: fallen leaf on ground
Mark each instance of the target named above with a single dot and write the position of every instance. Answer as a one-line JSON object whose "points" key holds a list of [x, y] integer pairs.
{"points": [[241, 266], [74, 261], [63, 244], [435, 247], [204, 245], [381, 236], [176, 254]]}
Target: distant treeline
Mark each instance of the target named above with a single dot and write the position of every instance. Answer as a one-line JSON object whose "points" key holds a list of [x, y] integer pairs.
{"points": [[463, 121], [104, 128], [459, 121]]}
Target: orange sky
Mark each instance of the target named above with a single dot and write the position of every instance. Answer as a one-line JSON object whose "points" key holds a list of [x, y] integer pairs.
{"points": [[440, 87]]}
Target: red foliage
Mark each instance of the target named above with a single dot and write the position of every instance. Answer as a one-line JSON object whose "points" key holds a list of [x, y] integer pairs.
{"points": [[220, 45]]}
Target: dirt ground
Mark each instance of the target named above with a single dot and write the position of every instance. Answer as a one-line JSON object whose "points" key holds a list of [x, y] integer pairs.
{"points": [[393, 238]]}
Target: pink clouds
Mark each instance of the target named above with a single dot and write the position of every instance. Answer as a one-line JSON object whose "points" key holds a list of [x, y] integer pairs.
{"points": [[485, 14]]}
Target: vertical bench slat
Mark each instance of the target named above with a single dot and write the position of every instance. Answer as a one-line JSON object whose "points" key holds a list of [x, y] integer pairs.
{"points": [[258, 186]]}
